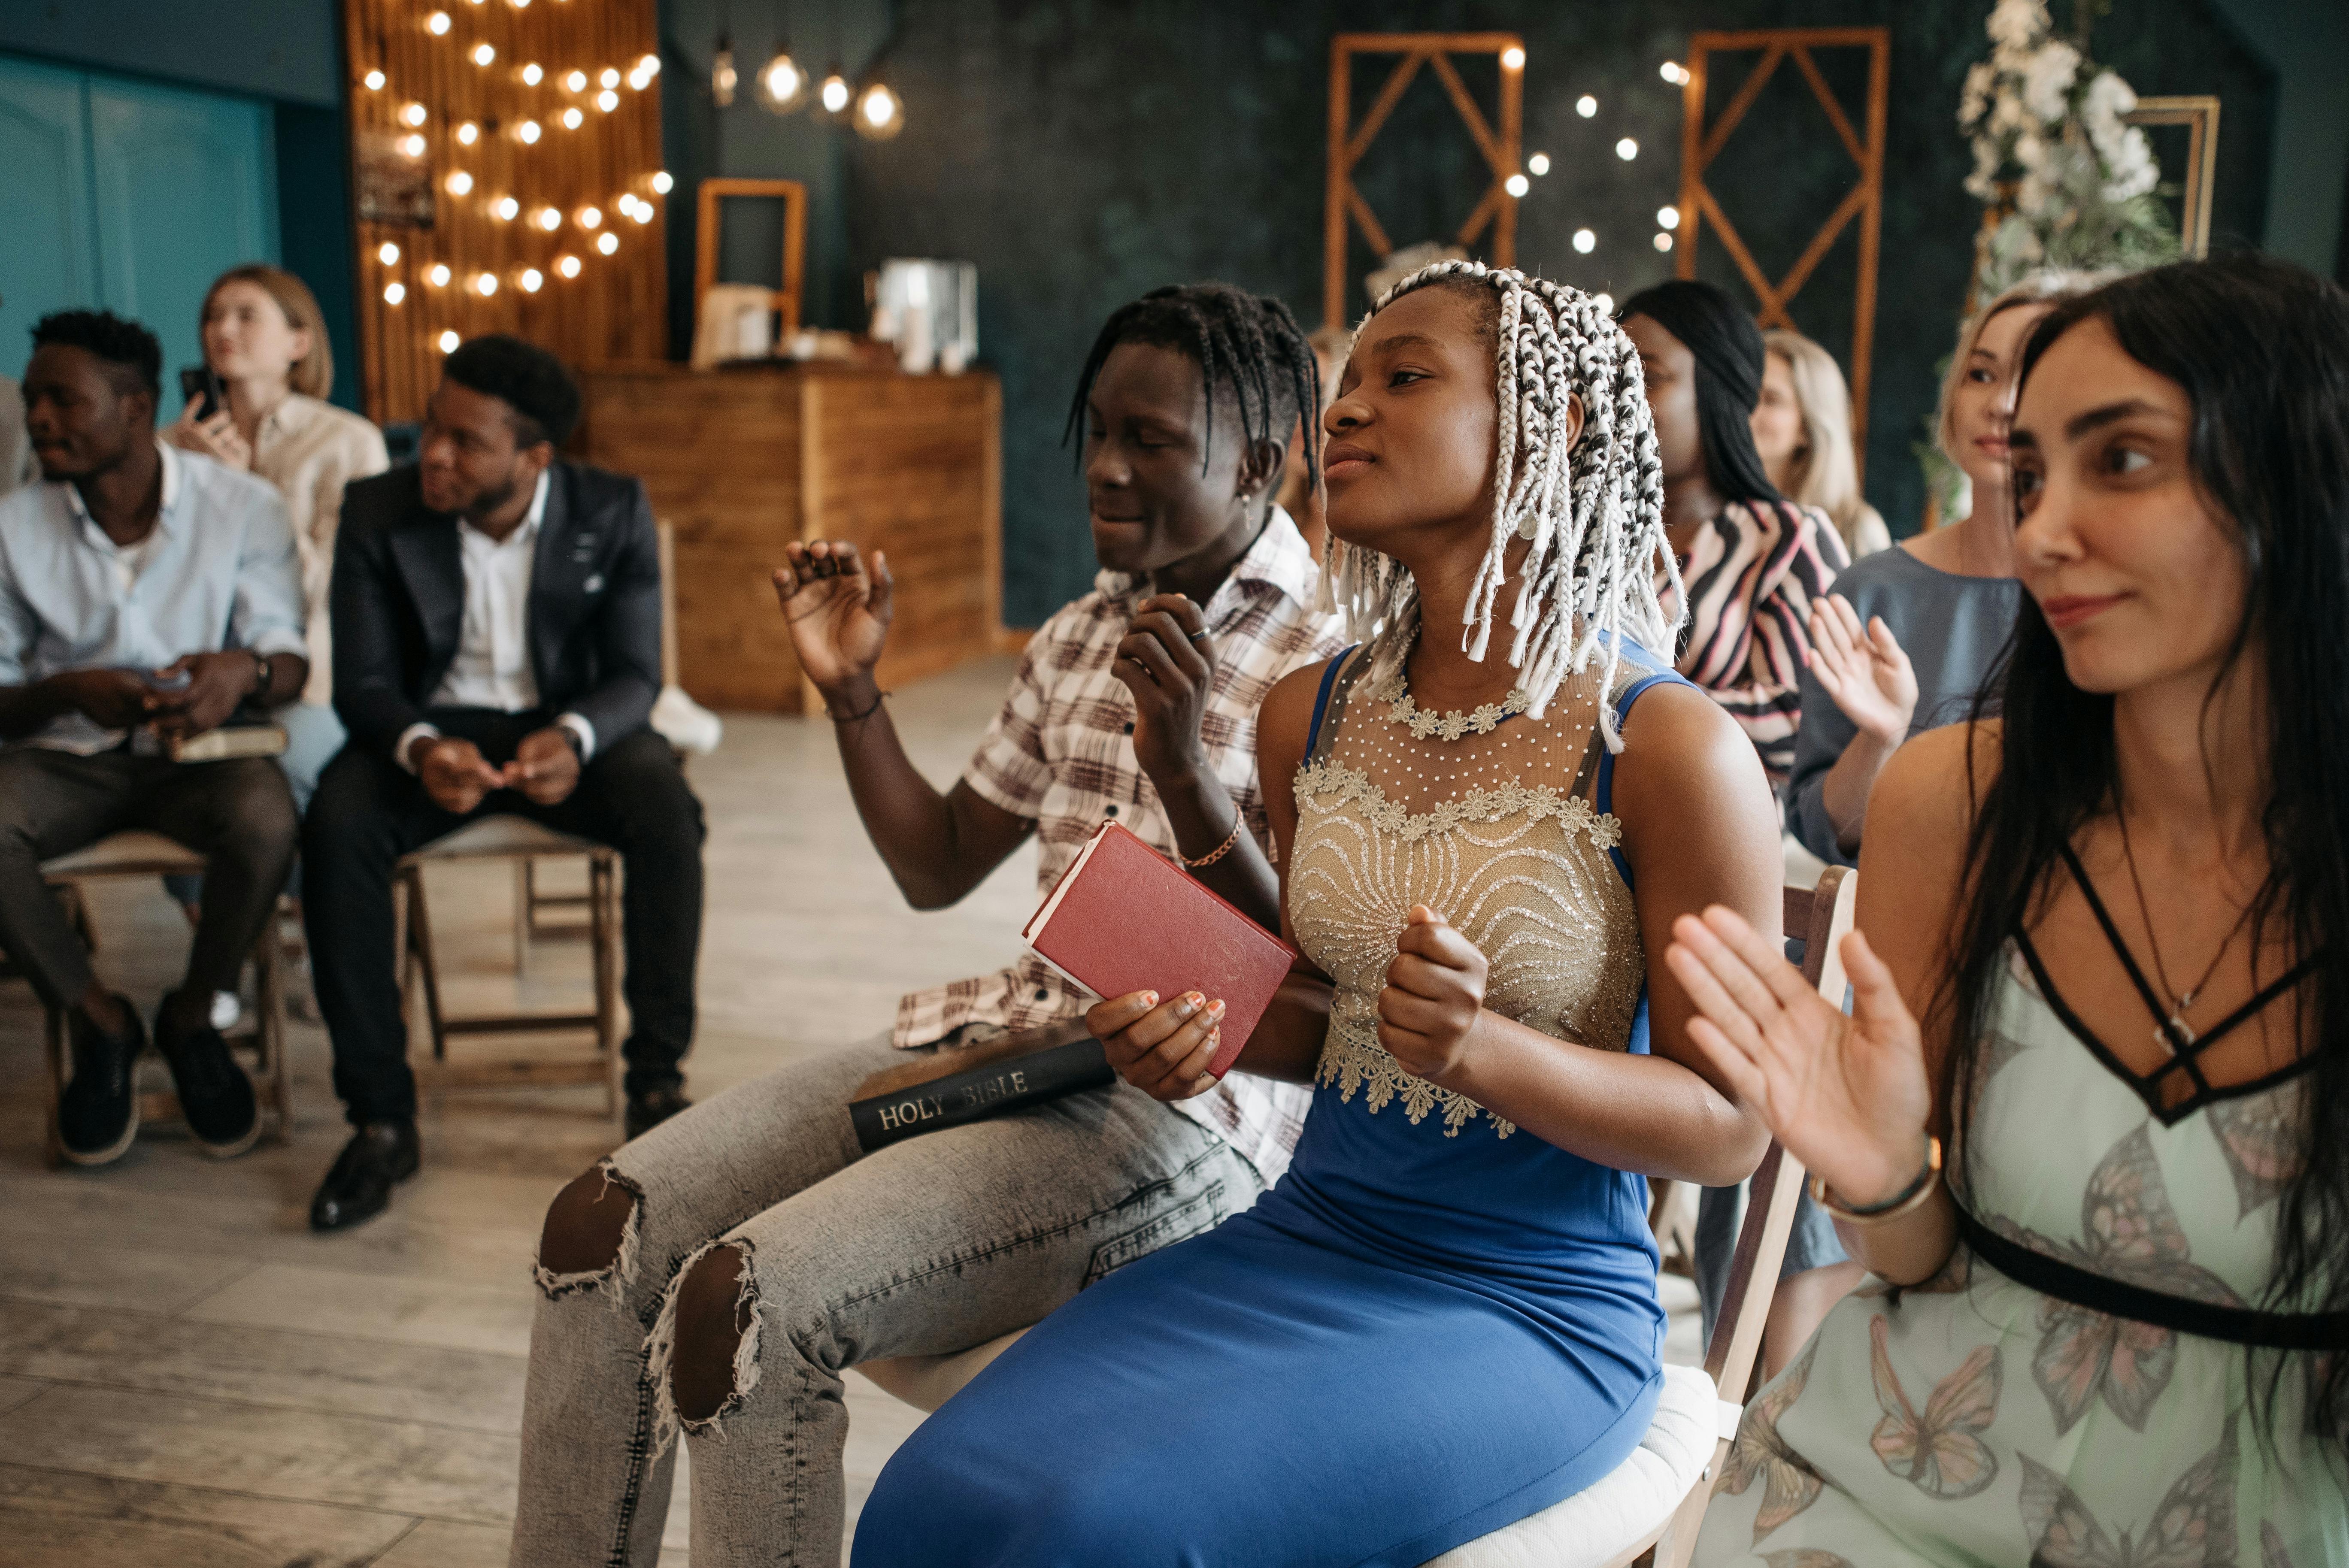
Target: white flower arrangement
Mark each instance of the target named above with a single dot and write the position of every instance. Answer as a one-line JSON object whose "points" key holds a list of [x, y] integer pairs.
{"points": [[2068, 182]]}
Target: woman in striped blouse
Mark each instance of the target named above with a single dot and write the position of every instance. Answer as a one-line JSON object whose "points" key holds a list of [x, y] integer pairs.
{"points": [[1751, 561]]}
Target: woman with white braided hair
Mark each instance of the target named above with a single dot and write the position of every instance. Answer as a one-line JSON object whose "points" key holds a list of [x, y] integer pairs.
{"points": [[1491, 811]]}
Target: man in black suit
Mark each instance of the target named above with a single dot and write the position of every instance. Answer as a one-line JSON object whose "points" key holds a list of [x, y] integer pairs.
{"points": [[497, 648]]}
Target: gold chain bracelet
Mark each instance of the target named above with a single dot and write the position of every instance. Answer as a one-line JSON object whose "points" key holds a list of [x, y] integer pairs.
{"points": [[1217, 853], [1907, 1202]]}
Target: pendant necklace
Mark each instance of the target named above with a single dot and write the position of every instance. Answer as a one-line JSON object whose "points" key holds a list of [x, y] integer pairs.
{"points": [[2174, 1034]]}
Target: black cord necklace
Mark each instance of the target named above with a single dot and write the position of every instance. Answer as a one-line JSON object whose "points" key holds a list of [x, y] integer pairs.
{"points": [[2175, 1034]]}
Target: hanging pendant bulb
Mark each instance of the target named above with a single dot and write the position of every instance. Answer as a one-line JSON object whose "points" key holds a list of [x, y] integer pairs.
{"points": [[782, 85], [880, 113], [832, 100], [721, 72]]}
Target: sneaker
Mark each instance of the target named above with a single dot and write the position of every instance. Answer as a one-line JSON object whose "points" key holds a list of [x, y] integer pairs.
{"points": [[97, 1114], [215, 1095]]}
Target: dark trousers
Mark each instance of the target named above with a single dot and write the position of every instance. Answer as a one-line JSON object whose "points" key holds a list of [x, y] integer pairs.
{"points": [[369, 812], [238, 815]]}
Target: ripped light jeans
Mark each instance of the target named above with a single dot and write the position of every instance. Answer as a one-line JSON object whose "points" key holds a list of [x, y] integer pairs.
{"points": [[926, 1247]]}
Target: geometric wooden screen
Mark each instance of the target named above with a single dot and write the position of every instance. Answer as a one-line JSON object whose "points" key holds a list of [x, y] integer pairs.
{"points": [[1343, 206], [507, 178], [1700, 144]]}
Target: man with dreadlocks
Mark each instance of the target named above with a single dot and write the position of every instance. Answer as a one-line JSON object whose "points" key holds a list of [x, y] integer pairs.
{"points": [[1443, 1318], [720, 1273]]}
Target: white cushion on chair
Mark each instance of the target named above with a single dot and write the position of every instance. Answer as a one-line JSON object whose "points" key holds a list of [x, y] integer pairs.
{"points": [[1629, 1504], [131, 852], [502, 835]]}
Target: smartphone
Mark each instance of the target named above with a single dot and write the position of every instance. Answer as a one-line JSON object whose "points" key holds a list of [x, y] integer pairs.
{"points": [[201, 386]]}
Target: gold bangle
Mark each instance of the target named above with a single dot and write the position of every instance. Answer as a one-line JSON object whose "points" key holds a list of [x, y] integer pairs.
{"points": [[1908, 1201], [1217, 853]]}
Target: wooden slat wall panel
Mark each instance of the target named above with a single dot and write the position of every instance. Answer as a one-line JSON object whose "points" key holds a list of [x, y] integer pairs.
{"points": [[617, 309], [740, 462]]}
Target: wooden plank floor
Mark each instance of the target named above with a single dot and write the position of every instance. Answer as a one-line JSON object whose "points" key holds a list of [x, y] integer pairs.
{"points": [[189, 1376]]}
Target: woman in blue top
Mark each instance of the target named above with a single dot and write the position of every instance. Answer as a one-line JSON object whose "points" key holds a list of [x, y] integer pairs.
{"points": [[1443, 1318]]}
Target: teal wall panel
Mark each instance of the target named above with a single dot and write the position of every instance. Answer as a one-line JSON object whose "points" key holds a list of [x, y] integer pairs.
{"points": [[48, 254]]}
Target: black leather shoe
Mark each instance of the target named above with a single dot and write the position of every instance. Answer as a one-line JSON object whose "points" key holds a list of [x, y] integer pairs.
{"points": [[359, 1186], [215, 1095], [98, 1115], [649, 1110]]}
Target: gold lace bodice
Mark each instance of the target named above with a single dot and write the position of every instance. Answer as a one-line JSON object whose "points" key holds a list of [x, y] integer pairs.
{"points": [[1486, 820]]}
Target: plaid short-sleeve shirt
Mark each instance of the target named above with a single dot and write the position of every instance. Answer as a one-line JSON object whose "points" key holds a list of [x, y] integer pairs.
{"points": [[1061, 754]]}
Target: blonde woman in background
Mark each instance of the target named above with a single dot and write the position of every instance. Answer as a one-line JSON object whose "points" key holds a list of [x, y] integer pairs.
{"points": [[266, 340], [1802, 427], [1299, 496]]}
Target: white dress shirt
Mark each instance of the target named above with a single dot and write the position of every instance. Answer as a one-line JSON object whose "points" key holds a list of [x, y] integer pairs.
{"points": [[217, 571], [493, 666]]}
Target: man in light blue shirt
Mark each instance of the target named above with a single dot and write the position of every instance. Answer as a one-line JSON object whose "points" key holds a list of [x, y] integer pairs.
{"points": [[146, 594]]}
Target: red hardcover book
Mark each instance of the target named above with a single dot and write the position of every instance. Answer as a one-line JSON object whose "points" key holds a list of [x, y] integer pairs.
{"points": [[1124, 918]]}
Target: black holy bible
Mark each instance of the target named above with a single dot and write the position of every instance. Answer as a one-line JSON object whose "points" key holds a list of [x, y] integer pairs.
{"points": [[981, 1092]]}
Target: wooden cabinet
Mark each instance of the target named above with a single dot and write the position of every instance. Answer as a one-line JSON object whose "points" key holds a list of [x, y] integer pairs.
{"points": [[740, 461]]}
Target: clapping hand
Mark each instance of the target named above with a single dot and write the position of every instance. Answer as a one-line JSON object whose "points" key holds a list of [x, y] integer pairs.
{"points": [[1167, 662], [1864, 669], [1847, 1096], [837, 610], [1162, 1048], [1433, 995]]}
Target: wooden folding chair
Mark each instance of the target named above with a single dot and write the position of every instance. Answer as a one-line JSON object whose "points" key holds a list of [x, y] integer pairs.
{"points": [[1645, 1513], [261, 1035]]}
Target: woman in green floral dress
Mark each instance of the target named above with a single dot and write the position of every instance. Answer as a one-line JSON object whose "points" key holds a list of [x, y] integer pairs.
{"points": [[2110, 1332]]}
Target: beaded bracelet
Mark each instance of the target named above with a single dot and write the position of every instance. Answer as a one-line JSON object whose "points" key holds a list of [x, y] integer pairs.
{"points": [[1907, 1202]]}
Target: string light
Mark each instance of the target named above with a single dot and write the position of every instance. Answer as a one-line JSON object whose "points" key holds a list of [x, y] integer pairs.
{"points": [[608, 100], [486, 284], [531, 279], [1663, 240], [649, 64], [449, 342], [1517, 185], [1538, 163], [607, 244], [1513, 59], [528, 132], [590, 218], [412, 145], [1585, 105], [531, 75], [1585, 242], [412, 114], [568, 266], [1674, 72], [575, 81], [548, 218], [611, 77], [506, 207], [640, 78], [626, 203], [572, 118], [1627, 150], [643, 212], [1668, 217], [436, 24], [459, 183], [483, 54], [520, 4], [880, 113], [783, 85], [438, 274], [834, 95], [374, 80], [394, 293], [469, 133], [662, 182], [387, 253]]}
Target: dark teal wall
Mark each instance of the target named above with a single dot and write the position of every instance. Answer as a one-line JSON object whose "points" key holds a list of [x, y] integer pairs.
{"points": [[286, 51], [1081, 151]]}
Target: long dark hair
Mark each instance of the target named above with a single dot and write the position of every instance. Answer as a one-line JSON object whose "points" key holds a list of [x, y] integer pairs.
{"points": [[2261, 349], [1730, 361]]}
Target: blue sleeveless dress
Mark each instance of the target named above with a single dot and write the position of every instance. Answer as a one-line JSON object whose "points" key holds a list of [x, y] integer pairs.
{"points": [[1435, 1324]]}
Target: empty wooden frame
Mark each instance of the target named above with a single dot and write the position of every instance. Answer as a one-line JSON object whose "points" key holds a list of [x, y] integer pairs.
{"points": [[711, 224], [1700, 143], [2199, 115], [1343, 206]]}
